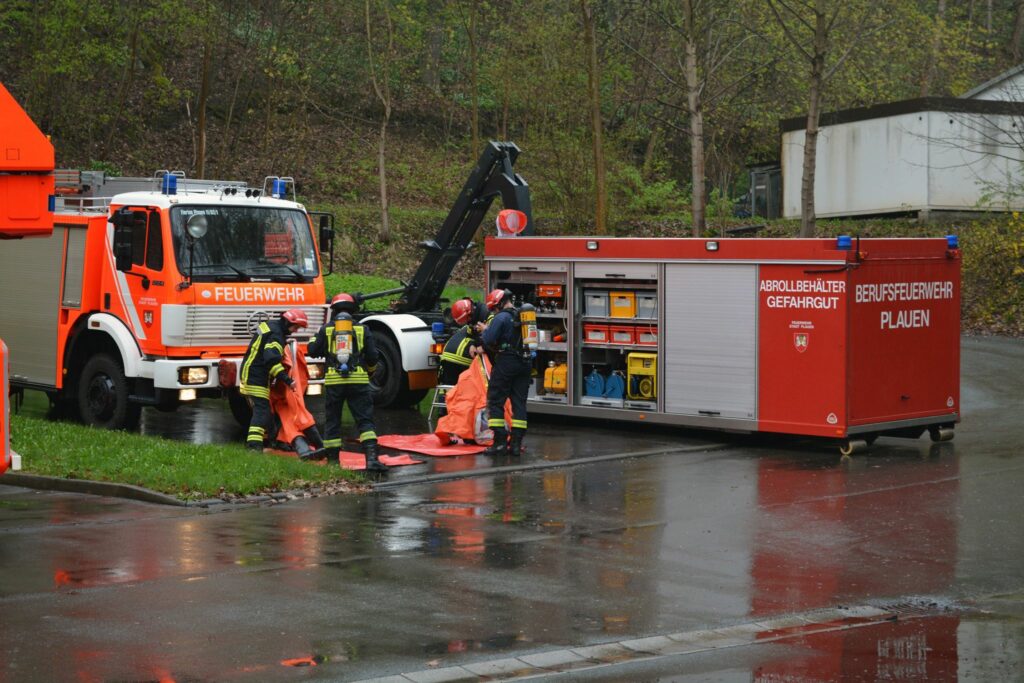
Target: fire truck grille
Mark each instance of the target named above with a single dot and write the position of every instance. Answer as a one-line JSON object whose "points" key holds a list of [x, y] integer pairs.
{"points": [[207, 326]]}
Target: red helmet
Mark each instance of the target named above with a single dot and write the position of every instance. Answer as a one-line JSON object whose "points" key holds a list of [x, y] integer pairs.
{"points": [[344, 303], [462, 311], [296, 316], [495, 298]]}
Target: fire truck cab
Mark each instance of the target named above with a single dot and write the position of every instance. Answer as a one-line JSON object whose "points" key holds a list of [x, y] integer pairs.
{"points": [[151, 288]]}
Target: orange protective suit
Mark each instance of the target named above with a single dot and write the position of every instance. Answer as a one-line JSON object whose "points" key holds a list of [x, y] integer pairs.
{"points": [[289, 405], [466, 406]]}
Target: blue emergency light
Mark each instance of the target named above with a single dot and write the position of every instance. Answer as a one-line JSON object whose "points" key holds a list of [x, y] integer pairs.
{"points": [[844, 242], [277, 190], [169, 184], [952, 242], [437, 331]]}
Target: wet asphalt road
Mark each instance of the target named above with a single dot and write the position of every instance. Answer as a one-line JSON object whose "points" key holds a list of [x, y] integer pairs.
{"points": [[462, 573]]}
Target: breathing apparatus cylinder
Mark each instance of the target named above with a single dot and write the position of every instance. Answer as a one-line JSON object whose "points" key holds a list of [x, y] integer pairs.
{"points": [[528, 329], [343, 342]]}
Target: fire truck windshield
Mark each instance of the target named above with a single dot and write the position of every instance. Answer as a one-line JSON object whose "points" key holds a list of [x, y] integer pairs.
{"points": [[243, 242]]}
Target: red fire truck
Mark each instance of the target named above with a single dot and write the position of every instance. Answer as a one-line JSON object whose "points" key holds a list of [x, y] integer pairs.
{"points": [[837, 338]]}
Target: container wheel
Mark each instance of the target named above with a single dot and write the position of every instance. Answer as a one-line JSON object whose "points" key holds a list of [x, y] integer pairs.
{"points": [[103, 395], [938, 434], [852, 446]]}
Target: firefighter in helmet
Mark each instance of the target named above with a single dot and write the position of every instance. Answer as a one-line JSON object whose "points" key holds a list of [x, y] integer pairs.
{"points": [[460, 349], [351, 358], [510, 373], [493, 302], [262, 365]]}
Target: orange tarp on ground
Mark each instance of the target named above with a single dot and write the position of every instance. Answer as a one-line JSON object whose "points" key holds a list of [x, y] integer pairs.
{"points": [[464, 404], [427, 444]]}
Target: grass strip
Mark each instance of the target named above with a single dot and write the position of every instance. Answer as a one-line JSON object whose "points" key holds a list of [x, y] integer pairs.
{"points": [[188, 471]]}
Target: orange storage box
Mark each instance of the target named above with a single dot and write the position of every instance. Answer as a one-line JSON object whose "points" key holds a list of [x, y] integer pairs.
{"points": [[622, 334], [550, 291], [622, 304], [595, 334]]}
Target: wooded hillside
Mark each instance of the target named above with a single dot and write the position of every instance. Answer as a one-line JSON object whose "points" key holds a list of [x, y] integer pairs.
{"points": [[621, 107]]}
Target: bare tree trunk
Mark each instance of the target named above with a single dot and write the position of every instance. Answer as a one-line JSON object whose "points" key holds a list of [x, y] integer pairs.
{"points": [[929, 73], [594, 83], [204, 93], [807, 217], [382, 89], [1018, 31], [988, 18], [696, 121]]}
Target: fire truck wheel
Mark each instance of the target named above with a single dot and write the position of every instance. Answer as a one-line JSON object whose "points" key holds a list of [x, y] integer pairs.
{"points": [[103, 395], [386, 381], [240, 408]]}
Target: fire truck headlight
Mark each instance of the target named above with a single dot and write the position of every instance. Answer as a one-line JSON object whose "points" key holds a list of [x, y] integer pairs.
{"points": [[314, 389], [186, 394], [315, 370], [193, 375]]}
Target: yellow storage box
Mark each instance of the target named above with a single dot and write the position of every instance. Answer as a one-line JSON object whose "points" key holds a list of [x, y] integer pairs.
{"points": [[622, 304]]}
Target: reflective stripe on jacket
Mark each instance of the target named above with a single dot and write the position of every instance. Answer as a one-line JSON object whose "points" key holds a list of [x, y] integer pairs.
{"points": [[262, 362], [456, 349]]}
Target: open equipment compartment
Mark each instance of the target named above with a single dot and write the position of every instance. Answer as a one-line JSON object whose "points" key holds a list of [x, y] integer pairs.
{"points": [[608, 329], [545, 286], [816, 337]]}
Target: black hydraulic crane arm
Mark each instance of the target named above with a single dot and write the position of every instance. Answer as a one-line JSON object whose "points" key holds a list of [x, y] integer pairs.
{"points": [[492, 176]]}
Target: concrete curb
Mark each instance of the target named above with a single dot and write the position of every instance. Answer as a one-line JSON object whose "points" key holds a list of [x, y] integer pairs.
{"points": [[95, 488], [142, 494]]}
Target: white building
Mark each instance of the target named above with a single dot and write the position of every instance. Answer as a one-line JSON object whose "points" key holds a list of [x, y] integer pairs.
{"points": [[922, 155]]}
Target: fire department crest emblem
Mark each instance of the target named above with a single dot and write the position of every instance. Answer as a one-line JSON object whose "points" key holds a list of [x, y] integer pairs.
{"points": [[800, 341]]}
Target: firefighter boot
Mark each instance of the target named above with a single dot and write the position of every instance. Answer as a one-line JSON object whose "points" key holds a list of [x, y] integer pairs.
{"points": [[256, 446], [305, 451], [332, 456], [313, 437], [372, 463], [499, 447], [515, 447]]}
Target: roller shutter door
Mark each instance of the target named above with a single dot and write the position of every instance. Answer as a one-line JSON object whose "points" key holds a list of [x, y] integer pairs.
{"points": [[711, 340]]}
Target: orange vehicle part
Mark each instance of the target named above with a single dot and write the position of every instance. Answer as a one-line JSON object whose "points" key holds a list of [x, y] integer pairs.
{"points": [[26, 173], [26, 210]]}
